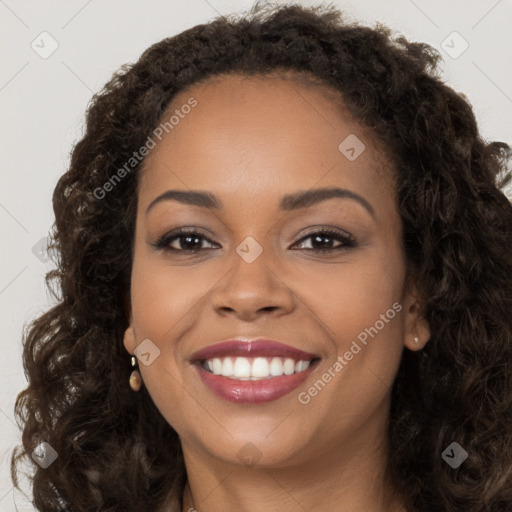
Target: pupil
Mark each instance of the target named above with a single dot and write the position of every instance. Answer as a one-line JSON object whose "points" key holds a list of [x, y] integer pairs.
{"points": [[325, 237], [187, 241]]}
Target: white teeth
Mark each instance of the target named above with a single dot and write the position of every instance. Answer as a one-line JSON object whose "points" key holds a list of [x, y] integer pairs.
{"points": [[227, 367], [217, 366], [300, 366], [260, 367], [288, 366], [276, 367], [244, 368]]}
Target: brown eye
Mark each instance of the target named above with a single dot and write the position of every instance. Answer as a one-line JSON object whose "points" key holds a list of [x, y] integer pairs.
{"points": [[187, 241], [322, 241]]}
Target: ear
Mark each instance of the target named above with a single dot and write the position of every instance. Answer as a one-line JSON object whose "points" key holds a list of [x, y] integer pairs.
{"points": [[417, 329], [129, 339]]}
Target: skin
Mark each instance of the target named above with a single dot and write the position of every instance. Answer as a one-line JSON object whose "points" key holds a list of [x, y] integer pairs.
{"points": [[250, 141]]}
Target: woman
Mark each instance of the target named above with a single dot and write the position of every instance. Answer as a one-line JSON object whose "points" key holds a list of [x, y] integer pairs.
{"points": [[292, 229]]}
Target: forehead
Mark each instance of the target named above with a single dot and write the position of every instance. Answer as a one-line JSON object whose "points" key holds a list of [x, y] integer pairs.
{"points": [[261, 132]]}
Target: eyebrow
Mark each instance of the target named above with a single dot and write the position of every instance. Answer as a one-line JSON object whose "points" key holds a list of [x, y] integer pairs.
{"points": [[289, 202]]}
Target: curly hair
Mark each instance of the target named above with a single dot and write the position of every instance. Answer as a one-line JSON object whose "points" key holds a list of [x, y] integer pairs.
{"points": [[115, 450]]}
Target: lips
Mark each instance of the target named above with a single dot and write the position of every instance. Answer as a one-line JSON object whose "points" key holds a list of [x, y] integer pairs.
{"points": [[253, 371]]}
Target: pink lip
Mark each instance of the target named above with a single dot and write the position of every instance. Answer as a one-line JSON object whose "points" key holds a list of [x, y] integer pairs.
{"points": [[253, 348], [252, 391]]}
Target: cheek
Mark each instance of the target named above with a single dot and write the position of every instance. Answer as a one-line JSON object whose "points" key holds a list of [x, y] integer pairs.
{"points": [[167, 299], [363, 317], [352, 296], [166, 302], [361, 311]]}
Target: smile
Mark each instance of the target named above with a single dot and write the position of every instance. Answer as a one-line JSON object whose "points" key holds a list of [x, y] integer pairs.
{"points": [[254, 371]]}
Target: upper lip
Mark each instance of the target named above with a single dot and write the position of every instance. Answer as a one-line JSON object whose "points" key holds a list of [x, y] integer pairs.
{"points": [[251, 347]]}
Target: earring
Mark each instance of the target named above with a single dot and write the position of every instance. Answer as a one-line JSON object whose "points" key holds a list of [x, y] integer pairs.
{"points": [[416, 340], [135, 378]]}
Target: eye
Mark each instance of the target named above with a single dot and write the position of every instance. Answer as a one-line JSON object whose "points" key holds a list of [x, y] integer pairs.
{"points": [[323, 240], [182, 240]]}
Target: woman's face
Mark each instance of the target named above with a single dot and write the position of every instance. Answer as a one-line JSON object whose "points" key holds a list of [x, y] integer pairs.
{"points": [[253, 144]]}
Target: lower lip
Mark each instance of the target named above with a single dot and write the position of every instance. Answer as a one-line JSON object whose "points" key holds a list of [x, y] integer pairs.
{"points": [[253, 391]]}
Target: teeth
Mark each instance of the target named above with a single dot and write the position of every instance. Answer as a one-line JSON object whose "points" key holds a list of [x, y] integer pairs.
{"points": [[300, 366], [288, 366], [217, 366], [260, 367], [245, 368], [242, 367], [227, 367], [276, 367]]}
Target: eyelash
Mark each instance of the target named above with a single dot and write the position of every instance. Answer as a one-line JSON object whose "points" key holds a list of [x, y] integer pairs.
{"points": [[163, 243]]}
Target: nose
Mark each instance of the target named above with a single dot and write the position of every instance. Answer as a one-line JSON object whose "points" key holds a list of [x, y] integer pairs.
{"points": [[252, 290]]}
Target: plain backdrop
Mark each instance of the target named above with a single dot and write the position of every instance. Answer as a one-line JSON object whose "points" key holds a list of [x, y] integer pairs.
{"points": [[43, 98]]}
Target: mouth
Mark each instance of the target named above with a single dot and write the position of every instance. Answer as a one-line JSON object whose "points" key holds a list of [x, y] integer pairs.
{"points": [[254, 371]]}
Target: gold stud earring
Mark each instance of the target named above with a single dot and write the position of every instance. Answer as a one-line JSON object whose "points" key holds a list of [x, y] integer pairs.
{"points": [[135, 378]]}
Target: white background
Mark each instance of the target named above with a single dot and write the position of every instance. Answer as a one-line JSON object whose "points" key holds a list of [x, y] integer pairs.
{"points": [[43, 101]]}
